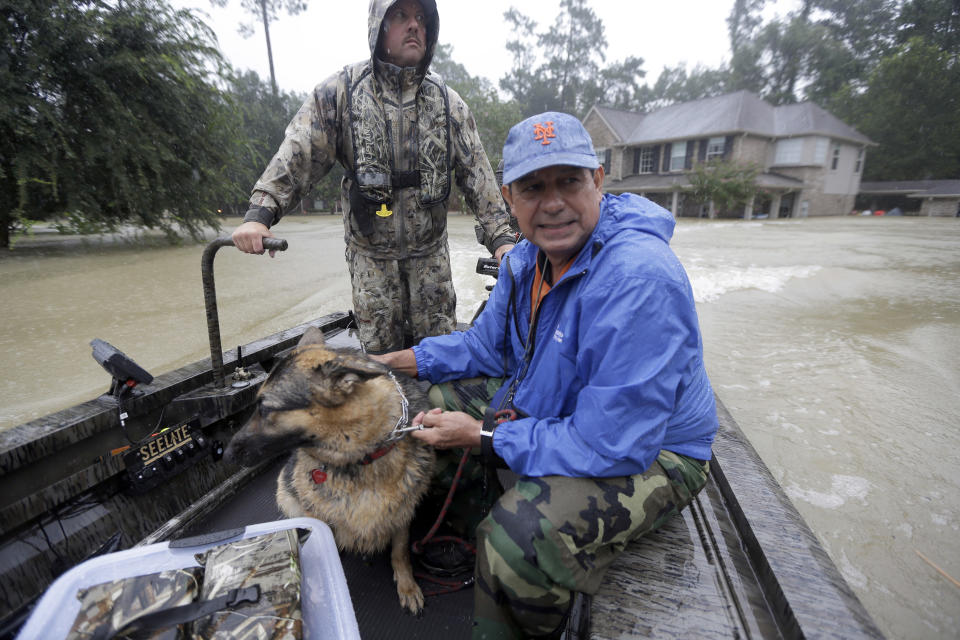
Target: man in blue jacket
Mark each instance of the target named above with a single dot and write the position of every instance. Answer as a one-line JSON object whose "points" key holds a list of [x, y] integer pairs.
{"points": [[605, 411]]}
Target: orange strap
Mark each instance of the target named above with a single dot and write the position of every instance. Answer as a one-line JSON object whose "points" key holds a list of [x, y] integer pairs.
{"points": [[541, 287]]}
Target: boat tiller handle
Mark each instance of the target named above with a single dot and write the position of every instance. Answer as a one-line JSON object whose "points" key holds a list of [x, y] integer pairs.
{"points": [[210, 298]]}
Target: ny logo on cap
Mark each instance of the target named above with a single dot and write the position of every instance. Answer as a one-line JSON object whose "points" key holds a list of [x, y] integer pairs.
{"points": [[543, 133]]}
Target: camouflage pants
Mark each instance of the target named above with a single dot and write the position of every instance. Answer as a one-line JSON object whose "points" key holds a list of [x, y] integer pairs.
{"points": [[548, 537], [478, 488], [398, 302]]}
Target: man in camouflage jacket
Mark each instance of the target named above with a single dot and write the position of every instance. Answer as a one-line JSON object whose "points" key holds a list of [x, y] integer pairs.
{"points": [[401, 134]]}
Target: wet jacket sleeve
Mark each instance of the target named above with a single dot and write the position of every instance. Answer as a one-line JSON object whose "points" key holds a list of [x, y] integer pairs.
{"points": [[475, 177], [475, 352], [638, 346], [307, 153]]}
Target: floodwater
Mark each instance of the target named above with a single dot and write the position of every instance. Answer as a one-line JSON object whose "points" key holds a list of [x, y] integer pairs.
{"points": [[834, 342]]}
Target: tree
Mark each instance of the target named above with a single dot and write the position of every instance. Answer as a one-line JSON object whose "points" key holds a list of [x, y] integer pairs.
{"points": [[263, 117], [111, 116], [561, 69], [675, 85], [266, 11], [743, 22], [620, 85], [813, 52], [936, 20], [730, 186], [910, 108]]}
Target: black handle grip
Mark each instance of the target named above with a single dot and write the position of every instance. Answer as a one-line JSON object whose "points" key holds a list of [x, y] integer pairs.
{"points": [[274, 244], [487, 267]]}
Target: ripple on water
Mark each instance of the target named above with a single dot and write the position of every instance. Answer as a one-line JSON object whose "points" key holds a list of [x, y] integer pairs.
{"points": [[842, 489]]}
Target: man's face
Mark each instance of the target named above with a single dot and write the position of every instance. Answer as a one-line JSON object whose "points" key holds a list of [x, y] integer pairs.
{"points": [[405, 34], [557, 208]]}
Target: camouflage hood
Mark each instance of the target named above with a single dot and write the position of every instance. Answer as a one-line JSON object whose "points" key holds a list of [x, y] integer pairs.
{"points": [[378, 9]]}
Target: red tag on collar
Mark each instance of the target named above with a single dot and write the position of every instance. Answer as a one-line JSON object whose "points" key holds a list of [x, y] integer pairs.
{"points": [[319, 476]]}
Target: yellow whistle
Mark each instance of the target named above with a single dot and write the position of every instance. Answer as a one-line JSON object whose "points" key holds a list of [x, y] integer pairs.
{"points": [[383, 212]]}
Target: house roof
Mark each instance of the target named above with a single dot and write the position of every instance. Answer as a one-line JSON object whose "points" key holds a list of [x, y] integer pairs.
{"points": [[620, 121], [913, 188], [733, 113], [946, 189], [807, 118]]}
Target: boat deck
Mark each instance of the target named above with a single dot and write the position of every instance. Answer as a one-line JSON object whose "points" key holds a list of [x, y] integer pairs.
{"points": [[739, 563]]}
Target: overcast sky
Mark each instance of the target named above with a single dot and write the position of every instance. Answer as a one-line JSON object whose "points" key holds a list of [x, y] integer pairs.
{"points": [[309, 47]]}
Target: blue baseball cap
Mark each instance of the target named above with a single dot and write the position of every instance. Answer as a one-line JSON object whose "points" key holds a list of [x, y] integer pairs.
{"points": [[547, 140]]}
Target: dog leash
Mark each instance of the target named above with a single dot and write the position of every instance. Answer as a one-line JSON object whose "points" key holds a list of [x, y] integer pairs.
{"points": [[418, 546]]}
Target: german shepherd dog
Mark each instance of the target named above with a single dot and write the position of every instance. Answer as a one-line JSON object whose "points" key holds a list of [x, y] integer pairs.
{"points": [[337, 411]]}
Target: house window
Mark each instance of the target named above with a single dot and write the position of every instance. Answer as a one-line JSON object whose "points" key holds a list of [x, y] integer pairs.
{"points": [[788, 151], [836, 157], [715, 148], [820, 153], [643, 160], [603, 155], [678, 156], [856, 167]]}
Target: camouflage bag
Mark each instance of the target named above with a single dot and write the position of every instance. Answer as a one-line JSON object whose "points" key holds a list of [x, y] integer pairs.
{"points": [[270, 563], [107, 609]]}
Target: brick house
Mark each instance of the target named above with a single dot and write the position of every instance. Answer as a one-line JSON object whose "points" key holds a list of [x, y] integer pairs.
{"points": [[810, 161]]}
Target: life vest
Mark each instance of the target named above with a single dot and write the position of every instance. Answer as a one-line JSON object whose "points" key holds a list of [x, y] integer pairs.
{"points": [[372, 173]]}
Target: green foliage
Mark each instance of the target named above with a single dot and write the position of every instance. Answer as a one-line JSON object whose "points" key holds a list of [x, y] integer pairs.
{"points": [[562, 68], [743, 22], [812, 52], [263, 116], [675, 85], [111, 117], [728, 185], [937, 21], [910, 108]]}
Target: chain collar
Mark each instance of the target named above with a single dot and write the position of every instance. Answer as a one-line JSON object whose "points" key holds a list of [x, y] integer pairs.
{"points": [[319, 475], [404, 419]]}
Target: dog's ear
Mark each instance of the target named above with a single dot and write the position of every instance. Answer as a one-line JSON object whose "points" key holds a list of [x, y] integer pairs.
{"points": [[347, 371], [311, 336]]}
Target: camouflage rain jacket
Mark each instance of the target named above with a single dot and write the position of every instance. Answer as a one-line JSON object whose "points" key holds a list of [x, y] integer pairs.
{"points": [[400, 133]]}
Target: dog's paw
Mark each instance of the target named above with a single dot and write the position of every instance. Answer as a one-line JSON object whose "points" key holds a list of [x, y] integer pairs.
{"points": [[411, 598]]}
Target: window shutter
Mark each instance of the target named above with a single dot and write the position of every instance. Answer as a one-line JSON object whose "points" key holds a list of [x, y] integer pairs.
{"points": [[656, 159], [636, 160], [665, 166], [606, 160], [702, 151], [727, 146], [688, 158]]}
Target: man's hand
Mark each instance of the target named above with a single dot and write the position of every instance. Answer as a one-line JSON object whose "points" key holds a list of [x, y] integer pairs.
{"points": [[248, 237], [447, 429], [501, 251], [403, 361]]}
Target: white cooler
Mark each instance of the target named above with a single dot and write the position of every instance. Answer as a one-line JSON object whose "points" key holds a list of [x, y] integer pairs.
{"points": [[325, 601]]}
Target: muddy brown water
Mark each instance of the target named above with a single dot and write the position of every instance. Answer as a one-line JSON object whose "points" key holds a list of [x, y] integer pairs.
{"points": [[835, 343]]}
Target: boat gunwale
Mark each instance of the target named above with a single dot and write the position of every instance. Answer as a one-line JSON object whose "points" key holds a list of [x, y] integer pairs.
{"points": [[807, 593], [31, 441]]}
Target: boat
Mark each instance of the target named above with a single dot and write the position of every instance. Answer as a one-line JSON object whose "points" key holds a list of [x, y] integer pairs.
{"points": [[142, 465]]}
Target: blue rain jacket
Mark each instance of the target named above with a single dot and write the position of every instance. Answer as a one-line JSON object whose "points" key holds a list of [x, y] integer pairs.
{"points": [[616, 372]]}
